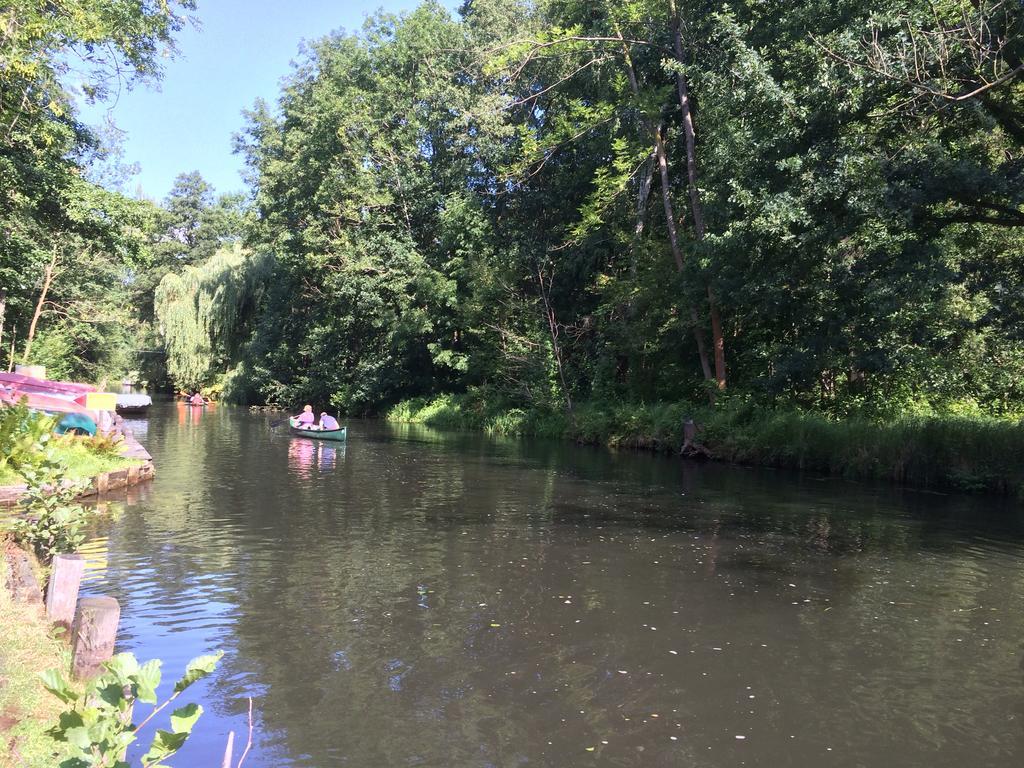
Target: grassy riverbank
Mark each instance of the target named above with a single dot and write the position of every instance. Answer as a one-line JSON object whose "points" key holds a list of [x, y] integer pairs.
{"points": [[82, 462], [963, 453], [26, 710]]}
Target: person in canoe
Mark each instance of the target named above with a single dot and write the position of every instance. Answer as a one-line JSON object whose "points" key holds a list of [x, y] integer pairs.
{"points": [[328, 423], [306, 419], [196, 399]]}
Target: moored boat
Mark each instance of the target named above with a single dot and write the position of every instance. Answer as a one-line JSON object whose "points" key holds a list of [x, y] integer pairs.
{"points": [[71, 417], [337, 435], [69, 389], [133, 403]]}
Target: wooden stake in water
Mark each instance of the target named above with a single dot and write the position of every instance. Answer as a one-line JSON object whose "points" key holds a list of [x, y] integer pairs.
{"points": [[93, 635], [226, 762], [62, 591]]}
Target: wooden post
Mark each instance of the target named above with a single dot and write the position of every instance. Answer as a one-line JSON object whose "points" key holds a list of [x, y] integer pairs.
{"points": [[94, 633], [62, 591], [689, 434], [21, 580], [226, 763]]}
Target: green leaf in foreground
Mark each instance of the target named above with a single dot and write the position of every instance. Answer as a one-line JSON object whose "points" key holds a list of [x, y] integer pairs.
{"points": [[164, 745], [183, 718], [55, 683], [197, 669], [123, 665], [147, 679]]}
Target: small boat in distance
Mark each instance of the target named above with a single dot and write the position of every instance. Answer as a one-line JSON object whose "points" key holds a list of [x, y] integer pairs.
{"points": [[133, 403], [337, 435], [196, 401]]}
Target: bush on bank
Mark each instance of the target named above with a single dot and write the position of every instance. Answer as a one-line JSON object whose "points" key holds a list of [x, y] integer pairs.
{"points": [[27, 441], [974, 453]]}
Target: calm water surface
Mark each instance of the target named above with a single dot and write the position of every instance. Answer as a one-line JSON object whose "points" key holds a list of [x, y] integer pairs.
{"points": [[429, 599]]}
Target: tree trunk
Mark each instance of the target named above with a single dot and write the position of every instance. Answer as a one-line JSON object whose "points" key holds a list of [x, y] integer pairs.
{"points": [[642, 193], [670, 219], [677, 254], [556, 346], [697, 207], [689, 134], [717, 339], [3, 313], [47, 279]]}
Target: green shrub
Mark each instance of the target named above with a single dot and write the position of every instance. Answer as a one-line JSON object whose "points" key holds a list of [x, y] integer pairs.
{"points": [[98, 726], [51, 521], [24, 435], [103, 445]]}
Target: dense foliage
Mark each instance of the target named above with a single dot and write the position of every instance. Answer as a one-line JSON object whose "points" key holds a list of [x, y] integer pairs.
{"points": [[24, 435], [68, 246], [515, 202], [50, 521], [202, 312], [812, 204]]}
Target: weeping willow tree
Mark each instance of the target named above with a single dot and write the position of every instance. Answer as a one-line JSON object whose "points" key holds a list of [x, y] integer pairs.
{"points": [[202, 313]]}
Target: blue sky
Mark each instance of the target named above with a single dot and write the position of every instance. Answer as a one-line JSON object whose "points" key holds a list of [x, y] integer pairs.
{"points": [[241, 51]]}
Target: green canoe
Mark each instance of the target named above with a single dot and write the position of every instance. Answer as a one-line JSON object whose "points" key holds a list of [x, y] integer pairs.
{"points": [[337, 435]]}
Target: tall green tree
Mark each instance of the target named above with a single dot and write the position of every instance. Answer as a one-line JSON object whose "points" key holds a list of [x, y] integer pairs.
{"points": [[203, 312], [817, 203], [354, 180], [187, 229], [50, 217]]}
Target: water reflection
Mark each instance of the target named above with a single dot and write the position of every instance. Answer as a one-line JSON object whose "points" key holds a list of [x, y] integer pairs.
{"points": [[329, 456], [300, 457], [446, 599], [306, 455]]}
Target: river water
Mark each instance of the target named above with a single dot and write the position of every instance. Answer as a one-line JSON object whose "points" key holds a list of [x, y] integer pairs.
{"points": [[435, 599]]}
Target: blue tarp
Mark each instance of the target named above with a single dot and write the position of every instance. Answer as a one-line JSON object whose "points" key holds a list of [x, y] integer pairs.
{"points": [[75, 422]]}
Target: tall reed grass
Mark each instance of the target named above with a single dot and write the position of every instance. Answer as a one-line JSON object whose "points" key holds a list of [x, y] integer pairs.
{"points": [[965, 453]]}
